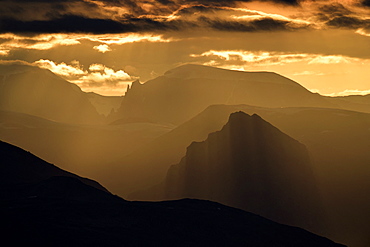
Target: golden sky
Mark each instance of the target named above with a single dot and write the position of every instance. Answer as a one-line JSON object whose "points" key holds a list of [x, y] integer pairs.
{"points": [[103, 45]]}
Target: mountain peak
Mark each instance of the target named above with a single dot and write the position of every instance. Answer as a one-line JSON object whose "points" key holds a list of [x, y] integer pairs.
{"points": [[191, 71], [252, 165]]}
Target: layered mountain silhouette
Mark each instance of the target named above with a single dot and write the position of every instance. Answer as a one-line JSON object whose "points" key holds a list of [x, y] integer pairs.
{"points": [[137, 149], [65, 211], [185, 91], [39, 92], [337, 140], [250, 164]]}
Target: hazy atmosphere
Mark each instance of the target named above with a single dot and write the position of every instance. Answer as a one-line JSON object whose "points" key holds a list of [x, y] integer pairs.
{"points": [[185, 123]]}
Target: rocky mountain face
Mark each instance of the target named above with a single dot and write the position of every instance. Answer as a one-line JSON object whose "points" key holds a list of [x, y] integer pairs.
{"points": [[63, 210], [39, 92], [250, 164]]}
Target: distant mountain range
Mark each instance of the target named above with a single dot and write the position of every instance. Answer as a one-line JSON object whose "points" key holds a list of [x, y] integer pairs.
{"points": [[41, 205], [173, 98], [185, 91], [31, 90], [79, 148]]}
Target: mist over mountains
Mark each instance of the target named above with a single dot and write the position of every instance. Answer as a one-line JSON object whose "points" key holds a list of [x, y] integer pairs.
{"points": [[31, 90], [131, 149]]}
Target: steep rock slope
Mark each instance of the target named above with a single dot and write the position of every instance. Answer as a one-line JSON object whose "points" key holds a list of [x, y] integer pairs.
{"points": [[251, 165]]}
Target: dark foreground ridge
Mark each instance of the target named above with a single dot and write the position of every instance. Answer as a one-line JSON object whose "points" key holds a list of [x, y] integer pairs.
{"points": [[64, 211]]}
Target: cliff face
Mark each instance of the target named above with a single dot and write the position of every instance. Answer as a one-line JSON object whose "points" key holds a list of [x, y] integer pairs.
{"points": [[251, 165]]}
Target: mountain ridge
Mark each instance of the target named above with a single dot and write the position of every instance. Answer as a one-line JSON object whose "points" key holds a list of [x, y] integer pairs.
{"points": [[63, 211]]}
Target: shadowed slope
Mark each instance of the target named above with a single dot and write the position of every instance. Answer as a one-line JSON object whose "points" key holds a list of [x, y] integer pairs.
{"points": [[63, 211], [21, 167]]}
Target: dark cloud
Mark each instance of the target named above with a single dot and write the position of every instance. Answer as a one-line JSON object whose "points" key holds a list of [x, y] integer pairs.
{"points": [[78, 24], [232, 3], [348, 22], [265, 24], [337, 15], [42, 16], [65, 24], [366, 3]]}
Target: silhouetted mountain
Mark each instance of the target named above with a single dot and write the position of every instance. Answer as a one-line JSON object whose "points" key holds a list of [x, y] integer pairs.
{"points": [[338, 141], [29, 89], [183, 92], [21, 167], [250, 164], [64, 211]]}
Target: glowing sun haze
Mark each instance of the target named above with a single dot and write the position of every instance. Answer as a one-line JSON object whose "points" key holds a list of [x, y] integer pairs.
{"points": [[103, 46]]}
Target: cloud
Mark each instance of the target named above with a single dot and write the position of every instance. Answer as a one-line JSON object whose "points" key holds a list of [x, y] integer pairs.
{"points": [[68, 72], [321, 59], [349, 92], [366, 3], [9, 42], [163, 16], [4, 52], [363, 32], [65, 24], [102, 75], [102, 48], [308, 73], [238, 58], [101, 17], [97, 75]]}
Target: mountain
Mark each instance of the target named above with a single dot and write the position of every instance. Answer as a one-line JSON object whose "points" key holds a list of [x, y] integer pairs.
{"points": [[352, 102], [337, 140], [105, 105], [82, 149], [21, 167], [31, 90], [251, 165], [64, 211], [183, 92]]}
